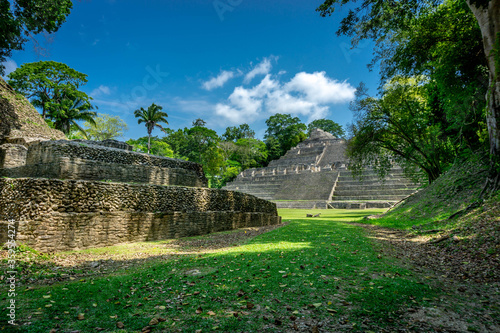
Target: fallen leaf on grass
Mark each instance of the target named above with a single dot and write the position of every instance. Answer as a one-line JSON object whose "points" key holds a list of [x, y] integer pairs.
{"points": [[250, 306], [199, 310], [81, 316], [211, 313], [153, 322], [120, 325]]}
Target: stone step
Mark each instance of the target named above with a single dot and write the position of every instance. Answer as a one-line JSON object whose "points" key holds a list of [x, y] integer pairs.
{"points": [[369, 197], [361, 187], [301, 204], [395, 181], [360, 205], [258, 191], [253, 186], [398, 171], [351, 193], [371, 177]]}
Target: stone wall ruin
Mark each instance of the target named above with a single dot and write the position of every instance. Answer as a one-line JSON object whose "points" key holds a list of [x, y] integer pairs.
{"points": [[56, 215]]}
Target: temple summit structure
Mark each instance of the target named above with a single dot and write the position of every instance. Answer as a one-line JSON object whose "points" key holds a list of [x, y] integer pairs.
{"points": [[314, 174]]}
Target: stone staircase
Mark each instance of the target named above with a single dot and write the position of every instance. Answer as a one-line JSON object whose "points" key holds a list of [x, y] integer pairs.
{"points": [[370, 191], [263, 187], [314, 175]]}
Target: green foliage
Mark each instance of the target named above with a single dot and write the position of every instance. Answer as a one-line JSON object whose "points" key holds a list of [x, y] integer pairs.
{"points": [[105, 127], [199, 123], [234, 133], [283, 132], [326, 125], [74, 132], [151, 119], [399, 127], [444, 44], [21, 19], [376, 19], [44, 82], [438, 40], [453, 191], [158, 147], [201, 145], [65, 110], [250, 153]]}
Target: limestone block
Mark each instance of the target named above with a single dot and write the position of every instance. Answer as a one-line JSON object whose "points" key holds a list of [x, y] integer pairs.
{"points": [[12, 155]]}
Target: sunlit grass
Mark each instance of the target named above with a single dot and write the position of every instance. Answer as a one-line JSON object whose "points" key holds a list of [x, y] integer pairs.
{"points": [[319, 269]]}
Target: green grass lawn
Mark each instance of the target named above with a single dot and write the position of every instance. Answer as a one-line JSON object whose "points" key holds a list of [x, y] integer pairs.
{"points": [[310, 271]]}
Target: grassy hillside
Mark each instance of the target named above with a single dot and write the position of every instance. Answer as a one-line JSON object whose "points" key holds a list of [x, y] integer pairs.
{"points": [[453, 191], [468, 246]]}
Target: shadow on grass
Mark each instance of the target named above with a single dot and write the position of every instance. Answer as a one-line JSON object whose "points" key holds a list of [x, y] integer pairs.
{"points": [[314, 271]]}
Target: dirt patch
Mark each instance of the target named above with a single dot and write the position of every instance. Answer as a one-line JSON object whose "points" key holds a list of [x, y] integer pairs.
{"points": [[470, 292]]}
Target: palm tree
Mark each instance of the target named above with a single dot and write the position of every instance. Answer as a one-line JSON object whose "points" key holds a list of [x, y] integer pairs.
{"points": [[67, 111], [151, 117]]}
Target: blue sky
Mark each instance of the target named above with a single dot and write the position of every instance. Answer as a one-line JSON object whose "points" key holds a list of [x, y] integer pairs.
{"points": [[225, 61]]}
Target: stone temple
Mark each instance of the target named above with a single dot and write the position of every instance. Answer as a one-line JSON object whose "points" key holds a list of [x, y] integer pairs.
{"points": [[60, 195], [314, 174]]}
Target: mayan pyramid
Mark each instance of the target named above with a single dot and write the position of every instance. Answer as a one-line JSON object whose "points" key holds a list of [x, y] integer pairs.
{"points": [[314, 174]]}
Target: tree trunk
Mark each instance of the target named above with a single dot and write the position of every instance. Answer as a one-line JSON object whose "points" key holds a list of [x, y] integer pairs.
{"points": [[149, 143], [487, 14]]}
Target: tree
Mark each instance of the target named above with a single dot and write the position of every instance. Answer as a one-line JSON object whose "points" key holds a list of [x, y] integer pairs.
{"points": [[378, 19], [158, 147], [285, 132], [65, 111], [399, 126], [151, 118], [41, 82], [487, 13], [199, 122], [326, 125], [105, 127], [445, 44], [201, 145], [21, 19], [234, 133]]}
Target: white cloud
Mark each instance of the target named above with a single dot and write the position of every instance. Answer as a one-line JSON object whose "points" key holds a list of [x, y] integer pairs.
{"points": [[318, 88], [308, 95], [101, 90], [10, 66], [218, 81], [263, 68]]}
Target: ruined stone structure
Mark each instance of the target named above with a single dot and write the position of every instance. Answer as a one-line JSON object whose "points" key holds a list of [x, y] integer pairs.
{"points": [[55, 215], [314, 175], [64, 195], [90, 161]]}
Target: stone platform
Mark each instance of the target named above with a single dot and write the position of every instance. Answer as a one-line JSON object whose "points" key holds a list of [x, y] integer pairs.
{"points": [[88, 160], [56, 215], [315, 175]]}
